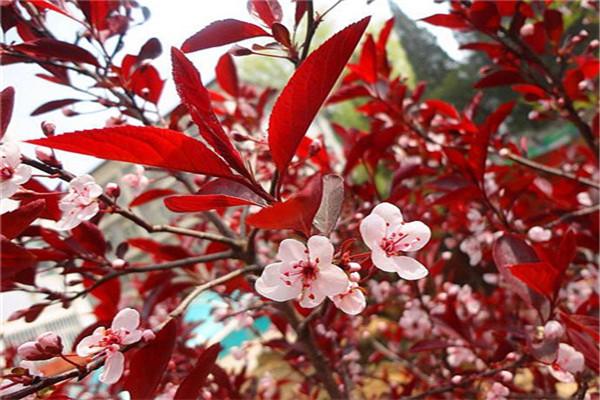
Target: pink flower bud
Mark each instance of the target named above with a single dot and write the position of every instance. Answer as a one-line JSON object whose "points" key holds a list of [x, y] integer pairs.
{"points": [[118, 263], [456, 379], [112, 190], [527, 30], [354, 276], [354, 267], [553, 330], [48, 128], [30, 351], [506, 376], [148, 335], [50, 342]]}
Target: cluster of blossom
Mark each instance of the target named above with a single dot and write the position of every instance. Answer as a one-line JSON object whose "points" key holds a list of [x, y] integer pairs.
{"points": [[306, 272]]}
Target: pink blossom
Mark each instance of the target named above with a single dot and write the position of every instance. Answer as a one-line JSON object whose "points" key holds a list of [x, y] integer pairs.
{"points": [[12, 173], [46, 346], [81, 203], [136, 181], [352, 301], [415, 322], [497, 392], [568, 362], [539, 234], [387, 235], [303, 272], [123, 331], [553, 330]]}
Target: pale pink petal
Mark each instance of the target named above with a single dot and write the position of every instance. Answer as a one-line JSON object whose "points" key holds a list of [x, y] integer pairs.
{"points": [[291, 250], [389, 212], [113, 368], [330, 280], [21, 174], [89, 345], [321, 249], [311, 297], [560, 375], [11, 155], [383, 261], [570, 359], [8, 188], [133, 337], [351, 303], [417, 236], [88, 212], [69, 219], [372, 230], [127, 319], [410, 269], [94, 190], [271, 275]]}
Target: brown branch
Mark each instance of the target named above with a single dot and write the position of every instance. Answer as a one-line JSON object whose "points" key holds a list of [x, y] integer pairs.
{"points": [[577, 213], [45, 382], [546, 169]]}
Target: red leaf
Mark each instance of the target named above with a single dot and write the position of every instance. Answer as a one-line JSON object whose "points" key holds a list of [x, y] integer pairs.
{"points": [[151, 146], [55, 49], [90, 238], [269, 11], [499, 78], [14, 222], [192, 384], [148, 365], [222, 32], [296, 213], [367, 63], [108, 295], [539, 276], [230, 188], [53, 105], [566, 252], [443, 108], [159, 251], [196, 98], [306, 91], [52, 211], [509, 250], [537, 39], [146, 83], [226, 75], [17, 264], [197, 203], [553, 24], [150, 195], [7, 102], [452, 21], [495, 119], [150, 50], [531, 92]]}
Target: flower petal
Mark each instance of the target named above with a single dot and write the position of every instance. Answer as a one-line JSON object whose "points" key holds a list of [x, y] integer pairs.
{"points": [[351, 303], [279, 291], [331, 280], [22, 174], [560, 375], [89, 345], [372, 230], [291, 250], [113, 368], [417, 236], [311, 297], [127, 318], [389, 212], [319, 247], [410, 269], [132, 337], [383, 261], [271, 274]]}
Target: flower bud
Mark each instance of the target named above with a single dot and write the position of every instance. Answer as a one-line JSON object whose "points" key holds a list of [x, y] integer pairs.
{"points": [[48, 128], [527, 30], [354, 276], [50, 342], [354, 267], [112, 190], [46, 346], [148, 335], [553, 330]]}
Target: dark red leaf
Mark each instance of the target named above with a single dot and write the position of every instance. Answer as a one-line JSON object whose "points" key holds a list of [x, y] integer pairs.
{"points": [[269, 11], [46, 48], [150, 50], [484, 16], [150, 195], [367, 63], [148, 364], [509, 250], [539, 276], [296, 213], [53, 105], [226, 75], [448, 21], [443, 108], [39, 191], [230, 188], [146, 83], [7, 102], [281, 34], [90, 238], [530, 92], [30, 313], [553, 23], [196, 98], [159, 251], [192, 384], [17, 264], [499, 78], [14, 222], [306, 91], [537, 39], [197, 203], [222, 32], [145, 145], [108, 295]]}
